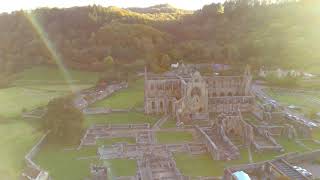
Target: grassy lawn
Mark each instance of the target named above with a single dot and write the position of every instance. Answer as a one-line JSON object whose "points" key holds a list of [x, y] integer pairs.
{"points": [[316, 134], [65, 165], [290, 145], [263, 156], [58, 88], [52, 75], [170, 123], [101, 142], [173, 137], [303, 100], [17, 138], [119, 118], [251, 118], [126, 98], [203, 165], [311, 144], [121, 167], [13, 100], [37, 86]]}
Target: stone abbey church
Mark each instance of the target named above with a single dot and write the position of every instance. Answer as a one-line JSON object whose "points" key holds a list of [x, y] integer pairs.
{"points": [[186, 93]]}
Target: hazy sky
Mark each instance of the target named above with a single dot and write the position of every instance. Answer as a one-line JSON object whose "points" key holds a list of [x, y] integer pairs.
{"points": [[11, 5]]}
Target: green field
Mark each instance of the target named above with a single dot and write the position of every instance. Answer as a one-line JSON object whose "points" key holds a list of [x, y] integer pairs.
{"points": [[170, 123], [62, 162], [121, 167], [32, 88], [15, 99], [174, 137], [251, 118], [17, 138], [37, 86], [119, 118], [107, 142], [310, 144], [203, 165], [51, 75], [306, 101], [289, 145], [126, 98], [65, 164], [263, 156]]}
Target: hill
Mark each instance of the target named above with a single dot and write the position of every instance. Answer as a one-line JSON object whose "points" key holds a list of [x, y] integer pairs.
{"points": [[237, 32], [161, 8]]}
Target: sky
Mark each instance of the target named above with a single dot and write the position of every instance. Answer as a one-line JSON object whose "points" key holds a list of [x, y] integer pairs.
{"points": [[12, 5]]}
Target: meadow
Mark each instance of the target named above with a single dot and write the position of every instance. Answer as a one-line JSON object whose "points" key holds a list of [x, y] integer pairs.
{"points": [[307, 101], [31, 88]]}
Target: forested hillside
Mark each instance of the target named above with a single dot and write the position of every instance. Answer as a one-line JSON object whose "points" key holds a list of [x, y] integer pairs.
{"points": [[237, 32]]}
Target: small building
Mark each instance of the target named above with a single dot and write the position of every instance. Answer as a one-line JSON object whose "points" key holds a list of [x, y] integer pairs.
{"points": [[240, 175]]}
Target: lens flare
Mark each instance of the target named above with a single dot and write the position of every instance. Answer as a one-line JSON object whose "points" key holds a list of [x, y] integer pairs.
{"points": [[51, 48]]}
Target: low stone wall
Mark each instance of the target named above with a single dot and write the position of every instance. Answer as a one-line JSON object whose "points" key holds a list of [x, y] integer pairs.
{"points": [[29, 158], [234, 149], [95, 111], [248, 133], [90, 96], [212, 147], [273, 130], [274, 147], [298, 158]]}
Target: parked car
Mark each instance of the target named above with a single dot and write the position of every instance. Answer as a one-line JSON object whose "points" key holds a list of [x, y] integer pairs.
{"points": [[312, 124]]}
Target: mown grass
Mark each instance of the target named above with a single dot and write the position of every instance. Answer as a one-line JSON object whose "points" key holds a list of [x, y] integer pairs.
{"points": [[65, 164], [17, 138], [251, 118], [37, 86], [264, 156], [173, 137], [52, 75], [203, 165], [121, 167], [126, 98], [170, 123], [316, 134], [303, 100], [290, 145], [310, 144], [32, 88], [15, 99], [101, 142], [119, 118]]}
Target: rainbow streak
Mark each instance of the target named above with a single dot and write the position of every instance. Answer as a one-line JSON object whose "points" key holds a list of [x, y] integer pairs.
{"points": [[51, 48]]}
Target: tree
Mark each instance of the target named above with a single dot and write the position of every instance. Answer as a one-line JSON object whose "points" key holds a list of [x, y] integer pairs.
{"points": [[109, 62], [64, 121], [165, 62]]}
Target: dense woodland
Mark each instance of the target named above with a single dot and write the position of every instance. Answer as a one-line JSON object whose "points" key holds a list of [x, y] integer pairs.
{"points": [[242, 32]]}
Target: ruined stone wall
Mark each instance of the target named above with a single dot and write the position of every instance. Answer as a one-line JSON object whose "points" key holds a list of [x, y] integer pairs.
{"points": [[220, 86], [216, 93], [160, 94], [211, 146], [231, 104]]}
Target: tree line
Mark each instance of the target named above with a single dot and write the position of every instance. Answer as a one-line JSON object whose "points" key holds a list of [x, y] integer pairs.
{"points": [[238, 32]]}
